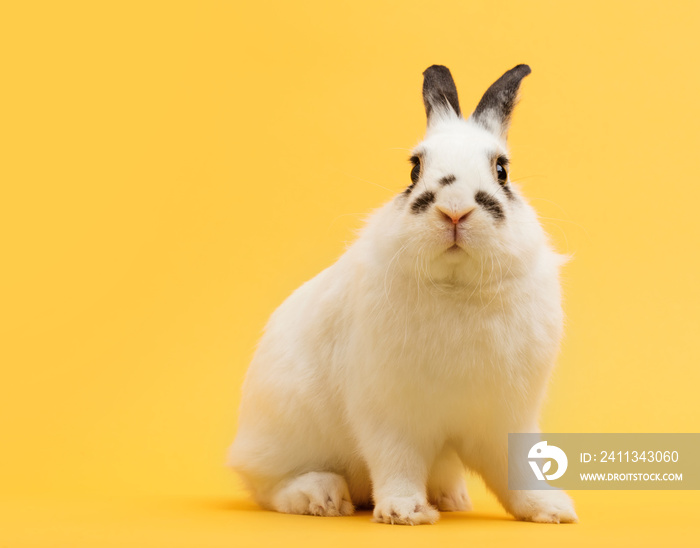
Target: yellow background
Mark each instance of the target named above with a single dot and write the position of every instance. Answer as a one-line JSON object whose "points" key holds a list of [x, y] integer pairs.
{"points": [[172, 171]]}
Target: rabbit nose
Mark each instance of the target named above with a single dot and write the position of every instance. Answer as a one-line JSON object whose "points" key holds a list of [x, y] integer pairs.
{"points": [[454, 216]]}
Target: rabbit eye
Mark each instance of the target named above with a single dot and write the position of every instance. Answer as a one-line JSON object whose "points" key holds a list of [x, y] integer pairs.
{"points": [[415, 170], [502, 170]]}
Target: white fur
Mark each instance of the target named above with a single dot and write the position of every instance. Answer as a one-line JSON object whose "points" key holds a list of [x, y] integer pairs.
{"points": [[380, 378]]}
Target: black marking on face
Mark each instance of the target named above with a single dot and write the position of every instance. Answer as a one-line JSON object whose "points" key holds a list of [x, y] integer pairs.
{"points": [[447, 180], [423, 201], [508, 191], [439, 90], [490, 204]]}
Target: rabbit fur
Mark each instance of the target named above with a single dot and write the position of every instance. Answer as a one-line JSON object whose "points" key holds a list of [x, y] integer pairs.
{"points": [[421, 348]]}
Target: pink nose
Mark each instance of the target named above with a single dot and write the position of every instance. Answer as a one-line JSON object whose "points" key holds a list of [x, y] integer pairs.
{"points": [[455, 216]]}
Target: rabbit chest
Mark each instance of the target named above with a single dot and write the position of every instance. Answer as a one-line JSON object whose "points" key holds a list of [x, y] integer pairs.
{"points": [[452, 349]]}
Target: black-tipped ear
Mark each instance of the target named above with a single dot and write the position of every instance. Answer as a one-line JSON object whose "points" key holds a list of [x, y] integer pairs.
{"points": [[496, 106], [439, 92]]}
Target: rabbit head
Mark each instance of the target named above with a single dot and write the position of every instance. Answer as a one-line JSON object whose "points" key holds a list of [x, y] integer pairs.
{"points": [[461, 220]]}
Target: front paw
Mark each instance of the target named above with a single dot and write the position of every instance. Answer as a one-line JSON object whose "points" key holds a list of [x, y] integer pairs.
{"points": [[544, 507], [413, 510], [454, 499]]}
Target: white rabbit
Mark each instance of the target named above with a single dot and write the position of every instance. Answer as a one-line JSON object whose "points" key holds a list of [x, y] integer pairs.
{"points": [[421, 348]]}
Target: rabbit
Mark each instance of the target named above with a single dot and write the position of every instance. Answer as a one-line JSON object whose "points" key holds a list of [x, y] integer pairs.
{"points": [[377, 382]]}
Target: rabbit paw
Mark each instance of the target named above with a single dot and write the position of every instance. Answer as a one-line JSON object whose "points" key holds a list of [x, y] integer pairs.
{"points": [[315, 493], [413, 510], [454, 499], [545, 507]]}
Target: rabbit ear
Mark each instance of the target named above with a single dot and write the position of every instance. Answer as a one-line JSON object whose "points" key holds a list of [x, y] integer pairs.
{"points": [[496, 106], [439, 93]]}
